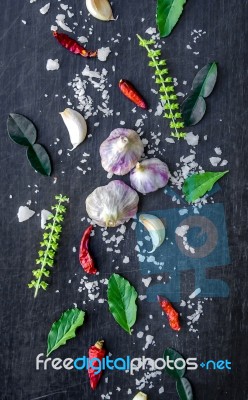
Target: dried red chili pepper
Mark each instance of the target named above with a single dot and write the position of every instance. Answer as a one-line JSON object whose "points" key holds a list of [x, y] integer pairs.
{"points": [[84, 256], [171, 313], [131, 93], [73, 46], [96, 351]]}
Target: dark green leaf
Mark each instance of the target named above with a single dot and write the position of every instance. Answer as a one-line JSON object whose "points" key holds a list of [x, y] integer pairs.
{"points": [[194, 106], [39, 159], [21, 130], [174, 371], [64, 329], [197, 185], [121, 300], [205, 80], [184, 389], [168, 13]]}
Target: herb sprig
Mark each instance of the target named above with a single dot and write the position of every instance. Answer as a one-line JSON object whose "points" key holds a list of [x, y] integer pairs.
{"points": [[168, 96], [49, 244]]}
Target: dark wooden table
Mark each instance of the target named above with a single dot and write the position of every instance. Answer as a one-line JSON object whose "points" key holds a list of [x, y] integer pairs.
{"points": [[24, 81]]}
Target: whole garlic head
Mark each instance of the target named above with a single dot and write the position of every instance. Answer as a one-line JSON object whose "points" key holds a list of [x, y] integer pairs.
{"points": [[121, 151], [112, 205], [149, 175]]}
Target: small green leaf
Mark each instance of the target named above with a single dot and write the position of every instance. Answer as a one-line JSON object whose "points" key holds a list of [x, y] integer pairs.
{"points": [[197, 185], [194, 106], [64, 329], [121, 300], [173, 370], [168, 13], [184, 389], [21, 130], [39, 159]]}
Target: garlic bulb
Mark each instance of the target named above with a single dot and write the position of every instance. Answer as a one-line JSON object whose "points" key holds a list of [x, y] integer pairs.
{"points": [[149, 175], [76, 126], [100, 9], [140, 396], [156, 229], [121, 151], [112, 205]]}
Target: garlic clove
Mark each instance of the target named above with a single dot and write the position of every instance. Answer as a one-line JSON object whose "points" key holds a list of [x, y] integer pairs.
{"points": [[100, 9], [156, 229], [76, 126], [121, 151], [140, 396], [112, 205], [149, 175]]}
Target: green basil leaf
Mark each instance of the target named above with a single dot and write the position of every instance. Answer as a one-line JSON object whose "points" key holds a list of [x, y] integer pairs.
{"points": [[39, 159], [21, 130], [168, 13], [174, 371], [121, 300], [194, 106], [184, 389], [196, 185], [64, 329]]}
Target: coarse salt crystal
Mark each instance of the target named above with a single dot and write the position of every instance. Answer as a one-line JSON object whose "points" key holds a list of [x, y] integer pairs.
{"points": [[52, 65], [45, 9], [24, 213]]}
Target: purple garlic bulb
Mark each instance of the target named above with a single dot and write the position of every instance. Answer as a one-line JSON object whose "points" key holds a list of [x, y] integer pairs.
{"points": [[149, 175], [112, 205], [121, 151]]}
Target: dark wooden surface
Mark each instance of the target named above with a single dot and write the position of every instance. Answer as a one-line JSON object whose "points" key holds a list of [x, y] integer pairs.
{"points": [[24, 81]]}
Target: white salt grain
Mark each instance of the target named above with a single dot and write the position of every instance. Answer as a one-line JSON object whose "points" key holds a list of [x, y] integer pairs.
{"points": [[24, 213], [45, 9], [52, 65], [103, 53], [146, 281], [195, 293], [192, 139], [44, 216], [215, 161]]}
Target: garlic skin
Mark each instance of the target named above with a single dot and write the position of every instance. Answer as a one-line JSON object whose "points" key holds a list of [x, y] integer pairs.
{"points": [[140, 396], [112, 205], [149, 175], [121, 151], [100, 9], [76, 126], [156, 229]]}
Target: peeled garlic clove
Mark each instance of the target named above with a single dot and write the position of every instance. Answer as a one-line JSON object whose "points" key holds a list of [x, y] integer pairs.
{"points": [[76, 126], [156, 229], [112, 205], [140, 396], [121, 151], [100, 9], [149, 175]]}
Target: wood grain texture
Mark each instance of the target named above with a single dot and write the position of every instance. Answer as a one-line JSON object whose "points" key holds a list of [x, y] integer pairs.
{"points": [[25, 323]]}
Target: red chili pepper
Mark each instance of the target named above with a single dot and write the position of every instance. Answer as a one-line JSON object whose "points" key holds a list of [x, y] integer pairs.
{"points": [[171, 313], [131, 93], [73, 46], [96, 351], [84, 256]]}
